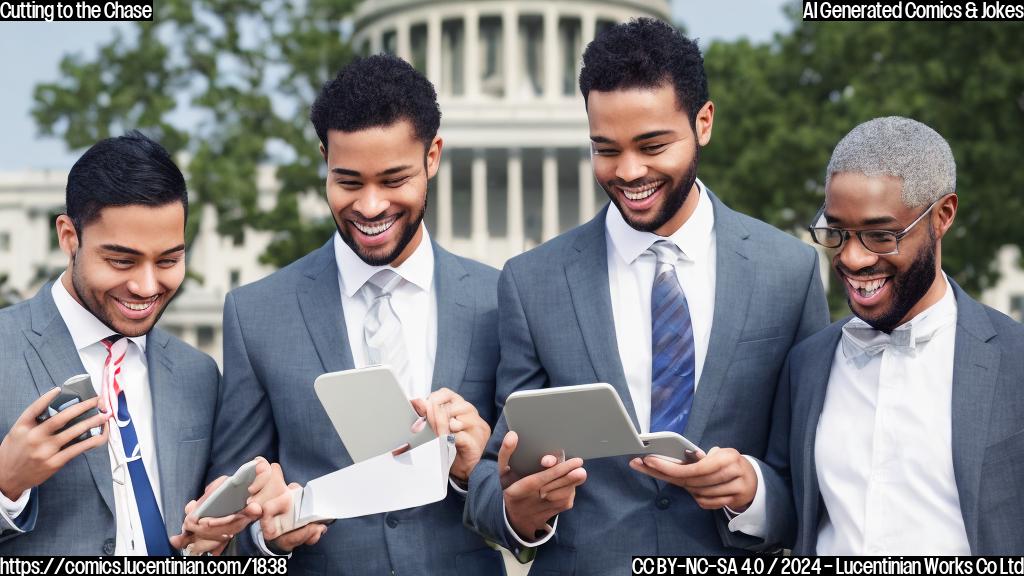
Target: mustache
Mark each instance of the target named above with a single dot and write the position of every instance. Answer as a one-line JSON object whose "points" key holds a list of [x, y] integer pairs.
{"points": [[867, 272]]}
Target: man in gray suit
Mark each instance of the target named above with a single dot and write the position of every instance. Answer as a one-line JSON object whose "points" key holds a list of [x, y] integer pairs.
{"points": [[124, 235], [684, 306], [897, 431], [377, 122]]}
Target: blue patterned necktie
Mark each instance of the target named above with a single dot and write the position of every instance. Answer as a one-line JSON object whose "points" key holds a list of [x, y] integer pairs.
{"points": [[153, 529], [672, 353]]}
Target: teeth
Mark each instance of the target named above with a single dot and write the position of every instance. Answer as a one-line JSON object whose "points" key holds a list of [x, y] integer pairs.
{"points": [[867, 287], [138, 306], [640, 193], [376, 228]]}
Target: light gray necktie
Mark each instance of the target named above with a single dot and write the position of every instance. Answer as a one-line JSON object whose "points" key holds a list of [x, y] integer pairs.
{"points": [[382, 330]]}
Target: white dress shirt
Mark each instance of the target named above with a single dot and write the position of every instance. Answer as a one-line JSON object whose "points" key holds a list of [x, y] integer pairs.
{"points": [[883, 449], [414, 301], [630, 281], [87, 332]]}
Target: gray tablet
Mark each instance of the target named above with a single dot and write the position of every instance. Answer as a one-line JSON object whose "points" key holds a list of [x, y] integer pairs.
{"points": [[231, 496], [586, 421], [370, 411]]}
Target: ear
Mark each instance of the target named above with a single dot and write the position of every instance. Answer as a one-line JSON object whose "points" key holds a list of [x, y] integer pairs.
{"points": [[946, 212], [703, 123], [323, 151], [434, 156], [67, 236]]}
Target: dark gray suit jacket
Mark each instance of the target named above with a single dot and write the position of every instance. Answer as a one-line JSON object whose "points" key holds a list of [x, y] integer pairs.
{"points": [[280, 334], [72, 513], [988, 435], [556, 329]]}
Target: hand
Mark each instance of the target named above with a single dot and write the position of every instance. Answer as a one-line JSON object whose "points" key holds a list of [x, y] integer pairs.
{"points": [[722, 478], [275, 498], [213, 534], [32, 452], [463, 421], [533, 500]]}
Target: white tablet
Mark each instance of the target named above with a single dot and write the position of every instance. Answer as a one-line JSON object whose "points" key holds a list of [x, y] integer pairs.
{"points": [[231, 496], [586, 421], [370, 411]]}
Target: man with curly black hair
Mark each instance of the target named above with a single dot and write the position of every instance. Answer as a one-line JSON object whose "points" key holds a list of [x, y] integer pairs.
{"points": [[686, 307], [379, 291]]}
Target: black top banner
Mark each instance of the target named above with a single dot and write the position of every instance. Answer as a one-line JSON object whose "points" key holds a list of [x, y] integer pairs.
{"points": [[904, 10], [76, 10]]}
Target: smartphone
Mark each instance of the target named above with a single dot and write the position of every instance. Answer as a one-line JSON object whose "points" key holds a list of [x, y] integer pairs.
{"points": [[231, 496], [76, 389]]}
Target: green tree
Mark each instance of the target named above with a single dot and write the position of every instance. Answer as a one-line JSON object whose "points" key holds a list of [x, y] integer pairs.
{"points": [[241, 76], [783, 106]]}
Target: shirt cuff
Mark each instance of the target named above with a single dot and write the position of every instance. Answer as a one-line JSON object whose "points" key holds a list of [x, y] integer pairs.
{"points": [[261, 544], [753, 520], [550, 529], [11, 509], [455, 486]]}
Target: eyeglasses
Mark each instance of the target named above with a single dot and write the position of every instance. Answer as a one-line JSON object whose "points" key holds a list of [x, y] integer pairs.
{"points": [[880, 242]]}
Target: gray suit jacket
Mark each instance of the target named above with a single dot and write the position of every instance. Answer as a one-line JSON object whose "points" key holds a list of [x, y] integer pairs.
{"points": [[988, 435], [556, 329], [72, 513], [280, 334]]}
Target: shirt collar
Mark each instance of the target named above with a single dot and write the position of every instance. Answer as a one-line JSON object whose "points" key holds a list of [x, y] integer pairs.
{"points": [[418, 268], [940, 315], [85, 328], [693, 238]]}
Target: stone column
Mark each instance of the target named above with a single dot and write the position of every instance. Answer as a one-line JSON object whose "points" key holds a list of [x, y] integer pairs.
{"points": [[586, 176], [471, 54], [515, 200], [444, 200], [549, 226], [510, 39], [434, 52], [552, 58], [479, 192], [403, 44]]}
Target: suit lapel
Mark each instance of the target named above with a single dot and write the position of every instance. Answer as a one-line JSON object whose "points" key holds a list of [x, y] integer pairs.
{"points": [[975, 368], [169, 402], [814, 377], [320, 301], [56, 360], [586, 272], [734, 274], [455, 317]]}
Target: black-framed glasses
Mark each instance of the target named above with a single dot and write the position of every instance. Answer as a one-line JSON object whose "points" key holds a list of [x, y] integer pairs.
{"points": [[880, 242]]}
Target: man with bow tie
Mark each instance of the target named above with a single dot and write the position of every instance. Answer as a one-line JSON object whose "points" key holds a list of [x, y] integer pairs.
{"points": [[899, 431]]}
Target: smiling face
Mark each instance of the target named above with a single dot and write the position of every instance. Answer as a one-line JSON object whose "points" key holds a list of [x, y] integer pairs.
{"points": [[886, 291], [645, 154], [377, 189], [127, 264]]}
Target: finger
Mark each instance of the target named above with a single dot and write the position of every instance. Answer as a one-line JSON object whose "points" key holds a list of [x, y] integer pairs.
{"points": [[61, 419], [401, 449], [37, 407], [180, 541], [443, 395], [419, 405], [732, 489], [80, 428], [264, 476], [713, 503], [536, 480], [572, 479], [61, 458], [508, 446], [455, 425], [638, 465]]}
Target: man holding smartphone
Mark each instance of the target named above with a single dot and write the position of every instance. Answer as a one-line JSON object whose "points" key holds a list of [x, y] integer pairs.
{"points": [[124, 236]]}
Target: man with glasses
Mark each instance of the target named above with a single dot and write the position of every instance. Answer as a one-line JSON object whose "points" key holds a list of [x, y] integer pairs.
{"points": [[899, 431]]}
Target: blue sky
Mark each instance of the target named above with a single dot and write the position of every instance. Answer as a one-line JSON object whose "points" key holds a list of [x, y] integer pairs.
{"points": [[31, 51]]}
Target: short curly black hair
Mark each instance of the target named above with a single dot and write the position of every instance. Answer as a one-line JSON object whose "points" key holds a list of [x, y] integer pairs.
{"points": [[376, 91], [646, 53]]}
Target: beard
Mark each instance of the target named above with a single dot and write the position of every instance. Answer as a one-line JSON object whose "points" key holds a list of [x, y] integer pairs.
{"points": [[385, 258], [94, 304], [672, 203], [907, 289]]}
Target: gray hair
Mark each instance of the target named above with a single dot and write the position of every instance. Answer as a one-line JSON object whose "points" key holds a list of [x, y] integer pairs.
{"points": [[902, 148]]}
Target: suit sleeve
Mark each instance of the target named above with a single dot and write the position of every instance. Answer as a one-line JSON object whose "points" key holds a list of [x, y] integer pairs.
{"points": [[244, 427], [779, 530], [518, 369], [815, 314], [12, 526]]}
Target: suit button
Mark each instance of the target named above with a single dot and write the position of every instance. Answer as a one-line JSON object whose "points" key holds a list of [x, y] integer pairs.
{"points": [[392, 522], [663, 503], [109, 545]]}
